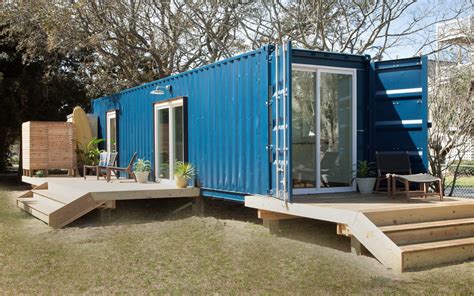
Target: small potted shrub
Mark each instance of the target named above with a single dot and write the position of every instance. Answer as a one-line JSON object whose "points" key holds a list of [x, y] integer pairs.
{"points": [[142, 169], [365, 176], [184, 172]]}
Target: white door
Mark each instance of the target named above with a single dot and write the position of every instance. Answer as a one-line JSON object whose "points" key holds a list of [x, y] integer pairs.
{"points": [[323, 129], [111, 139], [169, 137]]}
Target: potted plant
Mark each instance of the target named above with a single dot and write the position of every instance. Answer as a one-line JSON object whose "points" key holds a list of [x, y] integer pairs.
{"points": [[365, 176], [90, 155], [183, 172], [142, 169]]}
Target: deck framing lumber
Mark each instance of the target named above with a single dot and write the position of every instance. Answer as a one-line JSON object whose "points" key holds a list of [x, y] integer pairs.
{"points": [[374, 240], [375, 224], [268, 215], [76, 197]]}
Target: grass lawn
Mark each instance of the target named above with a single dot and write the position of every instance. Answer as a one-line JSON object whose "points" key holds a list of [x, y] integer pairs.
{"points": [[143, 248], [462, 181]]}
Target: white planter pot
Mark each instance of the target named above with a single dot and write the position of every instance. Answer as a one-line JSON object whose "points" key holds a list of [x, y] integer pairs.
{"points": [[142, 177], [366, 185]]}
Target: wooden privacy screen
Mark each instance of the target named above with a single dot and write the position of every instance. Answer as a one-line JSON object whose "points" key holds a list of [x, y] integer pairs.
{"points": [[48, 145]]}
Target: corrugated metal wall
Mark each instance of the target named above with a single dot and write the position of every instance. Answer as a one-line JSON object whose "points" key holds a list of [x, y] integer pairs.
{"points": [[400, 109], [227, 123]]}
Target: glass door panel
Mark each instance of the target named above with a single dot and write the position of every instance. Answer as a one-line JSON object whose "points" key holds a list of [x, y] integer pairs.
{"points": [[178, 134], [335, 125], [303, 129], [111, 131], [163, 143]]}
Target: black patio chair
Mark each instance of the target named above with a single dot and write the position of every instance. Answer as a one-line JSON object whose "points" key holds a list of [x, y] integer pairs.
{"points": [[396, 166]]}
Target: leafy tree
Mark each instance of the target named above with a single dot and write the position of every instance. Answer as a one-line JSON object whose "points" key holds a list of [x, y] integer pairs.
{"points": [[34, 86]]}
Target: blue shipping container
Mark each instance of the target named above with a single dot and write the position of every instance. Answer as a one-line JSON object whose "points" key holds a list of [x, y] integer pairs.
{"points": [[248, 134]]}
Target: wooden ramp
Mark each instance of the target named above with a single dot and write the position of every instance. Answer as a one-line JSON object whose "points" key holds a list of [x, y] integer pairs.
{"points": [[57, 206], [401, 235], [59, 201]]}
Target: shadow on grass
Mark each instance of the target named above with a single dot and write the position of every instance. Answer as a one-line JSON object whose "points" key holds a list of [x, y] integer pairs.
{"points": [[12, 182], [129, 212]]}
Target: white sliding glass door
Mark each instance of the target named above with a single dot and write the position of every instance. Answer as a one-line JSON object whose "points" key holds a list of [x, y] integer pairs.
{"points": [[169, 137], [323, 129]]}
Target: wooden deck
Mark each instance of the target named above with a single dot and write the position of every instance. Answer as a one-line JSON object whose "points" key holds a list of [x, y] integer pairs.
{"points": [[401, 234], [60, 200]]}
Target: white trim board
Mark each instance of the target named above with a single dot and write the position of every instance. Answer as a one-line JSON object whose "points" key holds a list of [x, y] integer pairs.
{"points": [[109, 116], [170, 105]]}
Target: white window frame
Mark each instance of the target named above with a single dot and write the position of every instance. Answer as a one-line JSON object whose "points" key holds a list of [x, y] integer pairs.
{"points": [[336, 70], [170, 105], [111, 115]]}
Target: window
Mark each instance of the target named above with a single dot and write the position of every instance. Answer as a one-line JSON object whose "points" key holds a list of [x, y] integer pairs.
{"points": [[169, 137], [111, 139]]}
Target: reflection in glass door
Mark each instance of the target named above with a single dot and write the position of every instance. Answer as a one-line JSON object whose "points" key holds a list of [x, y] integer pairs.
{"points": [[335, 126], [304, 129], [163, 143], [323, 129]]}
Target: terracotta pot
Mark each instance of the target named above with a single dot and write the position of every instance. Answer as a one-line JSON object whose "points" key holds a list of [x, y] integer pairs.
{"points": [[142, 177], [181, 182]]}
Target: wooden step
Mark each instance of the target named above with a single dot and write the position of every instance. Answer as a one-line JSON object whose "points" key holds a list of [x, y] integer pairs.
{"points": [[39, 206], [63, 197], [428, 213], [414, 233], [436, 253]]}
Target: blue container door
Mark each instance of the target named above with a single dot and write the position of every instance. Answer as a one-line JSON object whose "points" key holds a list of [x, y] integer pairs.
{"points": [[399, 109], [281, 118]]}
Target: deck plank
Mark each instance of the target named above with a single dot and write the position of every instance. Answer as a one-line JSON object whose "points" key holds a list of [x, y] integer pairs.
{"points": [[68, 189], [430, 224]]}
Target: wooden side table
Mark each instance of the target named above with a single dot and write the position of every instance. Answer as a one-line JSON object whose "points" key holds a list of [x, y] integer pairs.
{"points": [[91, 167]]}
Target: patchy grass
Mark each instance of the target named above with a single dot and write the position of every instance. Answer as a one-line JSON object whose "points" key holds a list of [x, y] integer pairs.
{"points": [[462, 181], [143, 248]]}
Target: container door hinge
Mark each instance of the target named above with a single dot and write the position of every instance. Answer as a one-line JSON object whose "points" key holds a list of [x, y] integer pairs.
{"points": [[269, 147]]}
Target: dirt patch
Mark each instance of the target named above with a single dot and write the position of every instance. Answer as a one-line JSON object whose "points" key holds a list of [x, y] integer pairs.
{"points": [[143, 247]]}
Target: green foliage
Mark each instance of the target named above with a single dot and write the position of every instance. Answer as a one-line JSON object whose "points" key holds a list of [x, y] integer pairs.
{"points": [[39, 174], [142, 166], [365, 169], [91, 155], [36, 84], [184, 170]]}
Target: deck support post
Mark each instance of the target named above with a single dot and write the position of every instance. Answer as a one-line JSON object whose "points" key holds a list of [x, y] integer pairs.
{"points": [[105, 215], [110, 204], [356, 247], [198, 206], [272, 225]]}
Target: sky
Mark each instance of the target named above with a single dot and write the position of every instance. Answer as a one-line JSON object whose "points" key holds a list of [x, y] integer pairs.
{"points": [[432, 11]]}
